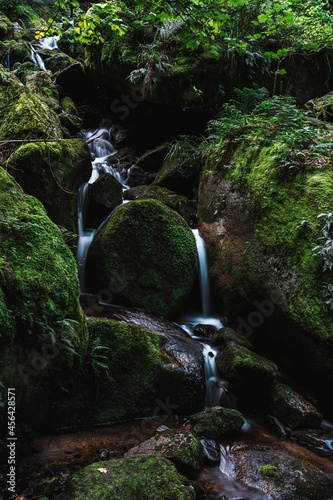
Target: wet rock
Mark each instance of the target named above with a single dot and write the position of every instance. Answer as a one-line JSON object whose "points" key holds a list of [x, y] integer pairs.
{"points": [[6, 28], [181, 447], [216, 422], [278, 472], [72, 123], [106, 191], [172, 200], [119, 136], [204, 330], [226, 334], [212, 451], [136, 176], [58, 62], [152, 160], [73, 81], [275, 424], [317, 440], [292, 409], [250, 374], [150, 477], [153, 248]]}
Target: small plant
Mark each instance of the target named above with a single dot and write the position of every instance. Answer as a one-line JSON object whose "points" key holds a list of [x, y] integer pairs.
{"points": [[50, 335], [96, 354], [325, 251], [269, 470]]}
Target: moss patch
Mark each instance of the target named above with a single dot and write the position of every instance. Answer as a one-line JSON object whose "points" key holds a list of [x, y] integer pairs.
{"points": [[217, 422]]}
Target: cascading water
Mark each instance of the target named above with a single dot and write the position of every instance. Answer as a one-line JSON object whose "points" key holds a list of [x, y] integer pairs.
{"points": [[203, 273], [36, 58], [217, 389], [101, 147], [49, 42]]}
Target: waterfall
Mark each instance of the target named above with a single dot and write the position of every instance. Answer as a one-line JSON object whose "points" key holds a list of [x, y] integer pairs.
{"points": [[49, 42], [36, 58], [217, 389], [203, 274], [101, 147]]}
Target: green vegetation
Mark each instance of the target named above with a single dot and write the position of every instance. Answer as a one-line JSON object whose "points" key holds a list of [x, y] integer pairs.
{"points": [[268, 470]]}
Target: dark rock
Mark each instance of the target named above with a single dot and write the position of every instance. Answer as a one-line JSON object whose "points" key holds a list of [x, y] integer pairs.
{"points": [[106, 191], [6, 28], [225, 335], [275, 424], [72, 123], [204, 330], [249, 374], [74, 82], [58, 62], [150, 477], [317, 440], [216, 422], [172, 200], [292, 409], [181, 447], [119, 136], [136, 176], [212, 451], [152, 160]]}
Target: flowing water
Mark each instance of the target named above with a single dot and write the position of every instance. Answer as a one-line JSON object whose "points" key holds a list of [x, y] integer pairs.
{"points": [[36, 58], [50, 43]]}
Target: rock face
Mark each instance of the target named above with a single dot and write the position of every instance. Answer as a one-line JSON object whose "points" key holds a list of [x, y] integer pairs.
{"points": [[53, 173], [23, 114], [172, 200], [106, 192], [217, 422], [153, 478], [260, 222], [131, 372], [153, 248], [182, 447], [292, 409], [225, 335], [249, 374], [40, 319]]}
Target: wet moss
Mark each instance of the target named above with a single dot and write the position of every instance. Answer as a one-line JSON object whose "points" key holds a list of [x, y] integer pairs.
{"points": [[146, 254], [218, 422]]}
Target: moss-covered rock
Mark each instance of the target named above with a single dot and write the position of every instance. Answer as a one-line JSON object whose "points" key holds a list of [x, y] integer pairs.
{"points": [[58, 62], [71, 123], [6, 28], [217, 422], [68, 105], [147, 478], [258, 211], [23, 114], [322, 107], [182, 447], [292, 409], [53, 173], [130, 372], [154, 247], [41, 321], [172, 200], [41, 85], [225, 335], [250, 374]]}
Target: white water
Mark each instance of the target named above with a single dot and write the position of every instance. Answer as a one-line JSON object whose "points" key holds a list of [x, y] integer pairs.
{"points": [[203, 274], [101, 147], [36, 58], [217, 389], [49, 42]]}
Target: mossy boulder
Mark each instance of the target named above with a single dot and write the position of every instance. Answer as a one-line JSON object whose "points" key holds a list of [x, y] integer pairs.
{"points": [[225, 335], [41, 321], [147, 478], [53, 173], [250, 374], [217, 422], [170, 199], [41, 85], [6, 28], [182, 447], [58, 62], [23, 114], [68, 105], [258, 212], [322, 107], [292, 409], [154, 247], [130, 372], [19, 51]]}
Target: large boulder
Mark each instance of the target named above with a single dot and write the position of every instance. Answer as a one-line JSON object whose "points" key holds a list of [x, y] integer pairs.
{"points": [[250, 374], [258, 212], [41, 322], [23, 114], [292, 409], [175, 201], [147, 478], [131, 372], [156, 250], [53, 173], [182, 447]]}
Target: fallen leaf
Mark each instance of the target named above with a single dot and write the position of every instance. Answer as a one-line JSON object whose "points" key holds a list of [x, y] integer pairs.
{"points": [[102, 470], [28, 257]]}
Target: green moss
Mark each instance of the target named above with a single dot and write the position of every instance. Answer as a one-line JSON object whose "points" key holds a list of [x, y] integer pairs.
{"points": [[170, 199], [147, 478], [53, 173], [268, 470], [153, 248], [216, 422]]}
